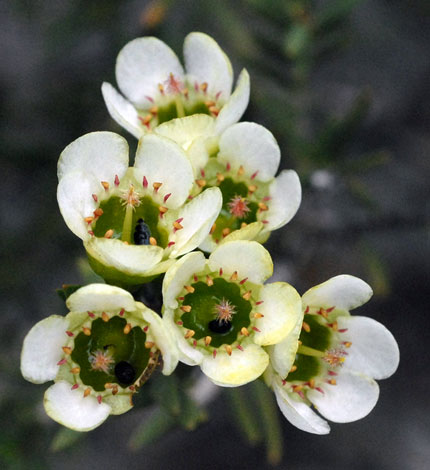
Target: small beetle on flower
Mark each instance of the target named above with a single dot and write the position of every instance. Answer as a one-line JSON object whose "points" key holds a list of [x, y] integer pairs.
{"points": [[98, 355], [331, 358], [157, 89], [133, 221], [222, 315]]}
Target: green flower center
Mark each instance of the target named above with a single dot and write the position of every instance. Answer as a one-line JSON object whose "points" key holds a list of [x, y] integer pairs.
{"points": [[138, 224], [111, 352], [217, 310]]}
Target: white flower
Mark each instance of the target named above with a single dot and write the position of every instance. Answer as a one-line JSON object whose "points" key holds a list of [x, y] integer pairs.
{"points": [[242, 162], [334, 364], [222, 315], [134, 221], [157, 89], [98, 355]]}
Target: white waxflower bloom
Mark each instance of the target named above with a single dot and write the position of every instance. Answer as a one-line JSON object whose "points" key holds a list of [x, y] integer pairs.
{"points": [[98, 355], [331, 359], [242, 161], [133, 221], [222, 315], [157, 88]]}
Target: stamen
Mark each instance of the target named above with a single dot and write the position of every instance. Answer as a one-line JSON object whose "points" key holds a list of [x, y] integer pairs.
{"points": [[254, 175], [67, 350], [69, 333], [258, 315], [220, 177], [240, 171], [74, 387], [213, 228], [252, 188], [105, 317], [116, 180], [75, 370], [152, 241], [88, 220], [162, 210], [167, 197], [228, 349], [145, 182], [208, 340], [98, 212], [189, 334], [109, 233], [243, 281], [87, 392], [99, 399], [306, 327], [62, 362], [225, 231], [127, 329], [95, 197], [156, 186], [201, 183], [209, 281], [247, 295], [234, 276], [240, 347], [263, 207], [105, 184], [186, 308], [293, 369], [189, 289], [86, 331], [149, 344], [244, 331]]}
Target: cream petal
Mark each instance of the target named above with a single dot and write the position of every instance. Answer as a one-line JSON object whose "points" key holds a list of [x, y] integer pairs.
{"points": [[282, 308], [41, 350], [99, 297], [74, 195], [283, 354], [134, 260], [122, 111], [250, 232], [232, 111], [159, 333], [178, 275], [352, 398], [161, 160], [373, 351], [238, 368], [208, 244], [118, 404], [197, 216], [286, 194], [344, 292], [70, 408], [142, 65], [187, 354], [251, 146], [206, 62], [250, 259], [299, 414], [101, 154]]}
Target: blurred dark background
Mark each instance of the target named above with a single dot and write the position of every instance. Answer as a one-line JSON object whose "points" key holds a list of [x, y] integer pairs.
{"points": [[344, 87]]}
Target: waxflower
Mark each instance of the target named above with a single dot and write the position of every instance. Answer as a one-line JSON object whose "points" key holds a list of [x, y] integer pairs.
{"points": [[222, 315], [98, 355], [242, 162], [157, 89], [331, 358], [133, 221]]}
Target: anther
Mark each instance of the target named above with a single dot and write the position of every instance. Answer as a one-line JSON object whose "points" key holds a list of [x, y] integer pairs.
{"points": [[67, 350], [228, 349], [186, 308], [214, 110], [228, 166], [201, 183], [213, 228], [209, 103], [74, 387], [87, 392], [116, 180], [263, 207], [75, 370], [166, 197], [189, 334], [243, 281], [332, 381], [105, 184], [145, 182], [244, 331], [122, 311], [156, 186], [254, 175], [243, 224], [256, 329], [108, 233], [347, 344], [189, 289], [258, 315], [220, 177], [297, 388], [239, 347], [214, 353], [105, 317], [208, 340], [161, 88], [307, 310], [204, 87], [220, 271], [95, 197], [98, 212], [306, 327], [209, 281], [69, 333], [234, 276], [247, 295], [312, 383], [127, 329], [162, 210], [225, 231], [145, 120], [99, 399], [293, 368], [252, 188], [62, 362], [152, 241], [240, 171], [259, 302], [109, 385], [149, 344], [86, 331], [195, 343], [153, 110], [177, 225], [115, 390], [88, 220]]}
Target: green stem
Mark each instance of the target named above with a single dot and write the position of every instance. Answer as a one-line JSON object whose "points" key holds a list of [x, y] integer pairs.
{"points": [[307, 351], [179, 106], [126, 227]]}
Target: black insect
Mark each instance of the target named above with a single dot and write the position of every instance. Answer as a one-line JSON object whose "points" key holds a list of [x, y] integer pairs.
{"points": [[125, 373], [220, 327], [141, 233]]}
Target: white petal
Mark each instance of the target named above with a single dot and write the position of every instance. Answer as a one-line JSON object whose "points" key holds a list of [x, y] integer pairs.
{"points": [[299, 414], [70, 408], [163, 161], [165, 343], [344, 292], [100, 297], [198, 217], [102, 154], [42, 349], [185, 130], [134, 260], [373, 351], [283, 354], [142, 65], [353, 397], [248, 258], [122, 111], [282, 308], [252, 146], [286, 194], [187, 354], [179, 274], [206, 62], [208, 244], [239, 368], [232, 111]]}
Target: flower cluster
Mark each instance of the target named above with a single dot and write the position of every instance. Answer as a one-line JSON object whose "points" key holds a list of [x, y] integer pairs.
{"points": [[193, 210]]}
